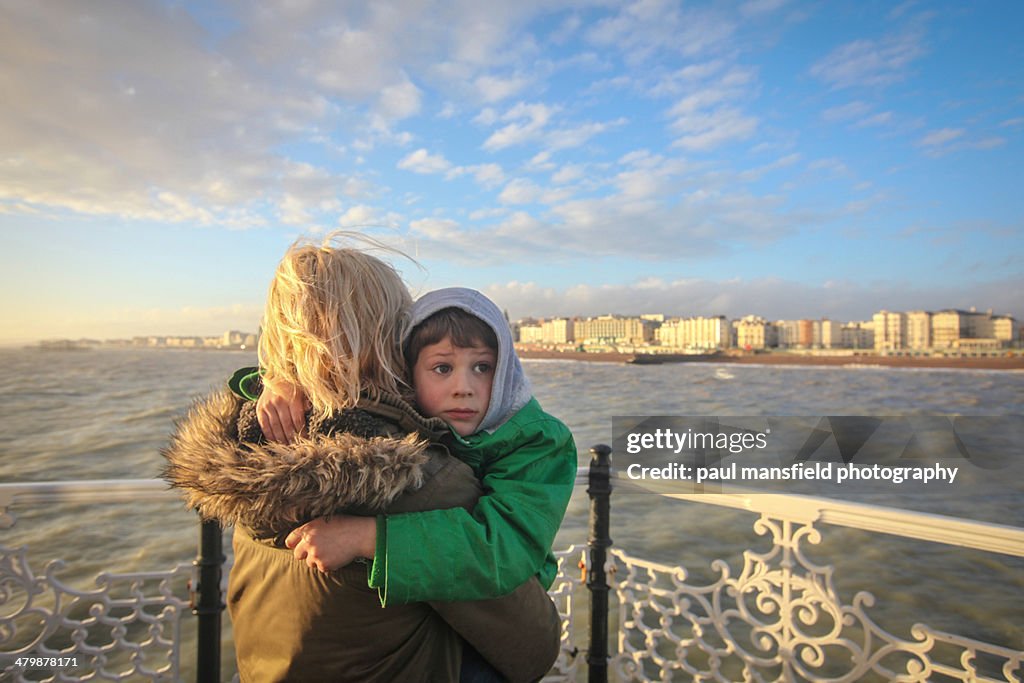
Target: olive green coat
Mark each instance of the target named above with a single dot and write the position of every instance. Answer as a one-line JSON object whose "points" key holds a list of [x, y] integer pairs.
{"points": [[293, 623]]}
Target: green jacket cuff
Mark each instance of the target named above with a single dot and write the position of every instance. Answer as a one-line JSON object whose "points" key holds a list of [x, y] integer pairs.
{"points": [[379, 568], [246, 383]]}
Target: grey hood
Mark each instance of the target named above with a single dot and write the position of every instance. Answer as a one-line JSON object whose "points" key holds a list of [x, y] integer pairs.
{"points": [[511, 389]]}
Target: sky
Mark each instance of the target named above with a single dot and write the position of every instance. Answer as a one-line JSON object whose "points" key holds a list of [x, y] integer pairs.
{"points": [[779, 158]]}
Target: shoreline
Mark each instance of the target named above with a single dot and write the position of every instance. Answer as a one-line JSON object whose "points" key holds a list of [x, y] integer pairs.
{"points": [[969, 363]]}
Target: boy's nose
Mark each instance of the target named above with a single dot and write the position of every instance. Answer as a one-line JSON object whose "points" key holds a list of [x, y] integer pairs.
{"points": [[463, 387]]}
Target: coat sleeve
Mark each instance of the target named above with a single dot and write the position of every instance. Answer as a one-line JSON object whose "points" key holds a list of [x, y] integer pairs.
{"points": [[502, 542], [519, 634]]}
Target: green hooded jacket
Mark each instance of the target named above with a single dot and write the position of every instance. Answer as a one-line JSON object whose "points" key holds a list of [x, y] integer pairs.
{"points": [[526, 461]]}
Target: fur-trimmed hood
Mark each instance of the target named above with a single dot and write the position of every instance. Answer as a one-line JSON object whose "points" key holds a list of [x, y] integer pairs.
{"points": [[359, 463]]}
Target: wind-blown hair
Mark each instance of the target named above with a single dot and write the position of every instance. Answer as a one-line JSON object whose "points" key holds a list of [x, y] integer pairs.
{"points": [[332, 324]]}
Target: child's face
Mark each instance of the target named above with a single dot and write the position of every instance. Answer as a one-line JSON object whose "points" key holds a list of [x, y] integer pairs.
{"points": [[454, 383]]}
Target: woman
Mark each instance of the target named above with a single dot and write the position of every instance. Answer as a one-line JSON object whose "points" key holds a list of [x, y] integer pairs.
{"points": [[331, 326]]}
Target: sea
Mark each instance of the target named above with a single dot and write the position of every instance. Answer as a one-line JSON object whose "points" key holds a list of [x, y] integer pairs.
{"points": [[106, 413]]}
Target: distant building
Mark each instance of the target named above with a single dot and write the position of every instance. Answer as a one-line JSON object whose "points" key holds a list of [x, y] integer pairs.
{"points": [[788, 333], [696, 334], [1004, 329], [531, 333], [948, 327], [558, 331], [754, 333], [858, 335], [890, 331], [614, 329], [919, 330], [831, 334], [233, 338], [808, 334]]}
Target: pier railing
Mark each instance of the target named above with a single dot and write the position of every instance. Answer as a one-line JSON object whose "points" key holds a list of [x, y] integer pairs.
{"points": [[778, 618]]}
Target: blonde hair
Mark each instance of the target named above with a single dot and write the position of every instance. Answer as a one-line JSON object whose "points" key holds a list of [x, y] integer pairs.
{"points": [[332, 323]]}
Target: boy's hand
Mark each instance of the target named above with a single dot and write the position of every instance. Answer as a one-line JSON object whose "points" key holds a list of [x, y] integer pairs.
{"points": [[281, 411], [329, 545]]}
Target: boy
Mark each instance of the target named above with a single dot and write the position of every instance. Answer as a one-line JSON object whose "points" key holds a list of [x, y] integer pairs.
{"points": [[465, 371]]}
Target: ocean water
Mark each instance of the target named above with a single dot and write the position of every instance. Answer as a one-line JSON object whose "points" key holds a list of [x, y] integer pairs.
{"points": [[102, 414]]}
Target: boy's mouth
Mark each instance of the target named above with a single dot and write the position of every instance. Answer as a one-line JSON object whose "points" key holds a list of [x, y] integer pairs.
{"points": [[461, 413]]}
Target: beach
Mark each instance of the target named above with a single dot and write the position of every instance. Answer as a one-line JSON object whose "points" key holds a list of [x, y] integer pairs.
{"points": [[1008, 362]]}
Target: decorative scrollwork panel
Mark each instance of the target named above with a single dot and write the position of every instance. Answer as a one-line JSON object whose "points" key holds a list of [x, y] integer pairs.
{"points": [[129, 627], [567, 593], [778, 619]]}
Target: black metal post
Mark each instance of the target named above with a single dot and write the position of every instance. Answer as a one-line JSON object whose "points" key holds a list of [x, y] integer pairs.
{"points": [[600, 491], [206, 602]]}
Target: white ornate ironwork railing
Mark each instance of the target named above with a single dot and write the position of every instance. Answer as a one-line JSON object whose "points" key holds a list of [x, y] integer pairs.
{"points": [[567, 592], [127, 628], [780, 618]]}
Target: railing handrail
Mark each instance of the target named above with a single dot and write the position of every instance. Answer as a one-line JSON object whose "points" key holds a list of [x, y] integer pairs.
{"points": [[956, 531], [801, 509], [82, 491], [987, 536]]}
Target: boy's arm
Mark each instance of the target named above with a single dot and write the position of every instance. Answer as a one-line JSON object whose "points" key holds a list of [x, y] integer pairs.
{"points": [[280, 408], [490, 551]]}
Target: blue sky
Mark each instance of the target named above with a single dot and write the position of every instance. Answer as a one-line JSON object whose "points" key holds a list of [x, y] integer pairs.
{"points": [[787, 159]]}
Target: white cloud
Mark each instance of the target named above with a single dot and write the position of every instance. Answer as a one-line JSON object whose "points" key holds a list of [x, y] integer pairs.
{"points": [[528, 121], [880, 119], [488, 175], [540, 162], [708, 114], [574, 137], [438, 229], [758, 7], [495, 89], [448, 111], [292, 211], [399, 101], [365, 216], [832, 167], [870, 63], [488, 116], [845, 112], [644, 28], [567, 174], [522, 191], [989, 143], [654, 200], [422, 161], [941, 137], [150, 124], [943, 141], [706, 131]]}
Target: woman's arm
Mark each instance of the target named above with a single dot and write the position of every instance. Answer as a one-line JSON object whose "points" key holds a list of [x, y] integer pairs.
{"points": [[519, 635]]}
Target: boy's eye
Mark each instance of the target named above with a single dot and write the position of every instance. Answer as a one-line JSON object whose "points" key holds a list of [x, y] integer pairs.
{"points": [[483, 368], [442, 369]]}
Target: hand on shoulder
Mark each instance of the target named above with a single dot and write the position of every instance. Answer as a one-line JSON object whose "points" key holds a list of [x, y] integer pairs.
{"points": [[281, 411]]}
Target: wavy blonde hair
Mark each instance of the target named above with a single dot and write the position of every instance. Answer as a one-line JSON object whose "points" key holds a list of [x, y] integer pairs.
{"points": [[333, 321]]}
